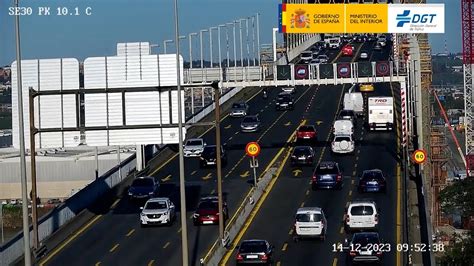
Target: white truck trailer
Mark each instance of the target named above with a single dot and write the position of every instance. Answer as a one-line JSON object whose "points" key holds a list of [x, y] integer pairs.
{"points": [[380, 113]]}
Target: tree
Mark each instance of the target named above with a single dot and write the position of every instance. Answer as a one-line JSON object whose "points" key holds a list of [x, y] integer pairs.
{"points": [[460, 253]]}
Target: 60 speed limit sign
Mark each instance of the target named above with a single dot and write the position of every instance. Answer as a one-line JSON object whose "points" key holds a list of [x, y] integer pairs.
{"points": [[252, 149], [419, 156]]}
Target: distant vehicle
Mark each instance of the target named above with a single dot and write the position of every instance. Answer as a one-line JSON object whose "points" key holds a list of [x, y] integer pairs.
{"points": [[348, 50], [366, 87], [348, 115], [364, 54], [250, 123], [380, 113], [346, 38], [327, 175], [143, 187], [306, 132], [288, 89], [372, 181], [360, 38], [378, 46], [364, 241], [157, 211], [255, 251], [306, 56], [194, 147], [310, 222], [284, 101], [382, 40], [343, 127], [354, 101], [239, 109], [314, 61], [361, 214], [302, 155], [323, 59], [371, 37], [335, 43], [343, 144], [208, 156], [207, 211]]}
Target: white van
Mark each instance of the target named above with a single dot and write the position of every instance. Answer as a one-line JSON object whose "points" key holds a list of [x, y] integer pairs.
{"points": [[343, 127], [361, 214], [310, 222], [354, 101]]}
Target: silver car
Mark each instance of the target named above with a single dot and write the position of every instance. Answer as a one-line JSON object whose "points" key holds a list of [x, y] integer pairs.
{"points": [[193, 147], [250, 123], [323, 59], [239, 109], [158, 211]]}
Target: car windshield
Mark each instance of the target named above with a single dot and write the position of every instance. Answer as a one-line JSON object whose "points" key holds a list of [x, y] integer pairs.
{"points": [[238, 105], [250, 119], [302, 151], [362, 210], [155, 205], [372, 175], [194, 142], [363, 52], [341, 138], [285, 97], [253, 247], [142, 182], [306, 129], [346, 113], [308, 217], [334, 41], [306, 54], [208, 205], [364, 239], [322, 56]]}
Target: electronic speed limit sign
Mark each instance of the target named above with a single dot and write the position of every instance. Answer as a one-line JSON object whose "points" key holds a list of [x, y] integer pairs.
{"points": [[252, 149], [419, 156]]}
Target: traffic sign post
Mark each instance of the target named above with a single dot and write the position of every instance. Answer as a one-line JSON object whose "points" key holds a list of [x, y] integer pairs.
{"points": [[419, 156], [253, 150]]}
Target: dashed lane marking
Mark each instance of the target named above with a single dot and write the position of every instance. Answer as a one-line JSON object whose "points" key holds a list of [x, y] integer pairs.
{"points": [[350, 193], [284, 247], [290, 232], [341, 231], [302, 204], [98, 263], [334, 262], [166, 245], [114, 248], [193, 172], [307, 192], [130, 232], [151, 262]]}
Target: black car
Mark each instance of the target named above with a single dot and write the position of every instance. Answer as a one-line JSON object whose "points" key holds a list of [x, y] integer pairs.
{"points": [[327, 175], [284, 101], [302, 155], [254, 251], [360, 248], [360, 38], [348, 115], [144, 187], [372, 181], [208, 156]]}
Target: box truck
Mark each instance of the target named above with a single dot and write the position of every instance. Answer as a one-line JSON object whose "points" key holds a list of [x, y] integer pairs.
{"points": [[354, 101], [380, 114]]}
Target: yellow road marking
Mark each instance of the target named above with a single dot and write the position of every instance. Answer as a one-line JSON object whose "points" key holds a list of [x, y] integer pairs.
{"points": [[288, 124], [337, 57], [284, 247], [208, 176], [334, 262], [302, 204], [151, 262], [319, 122], [167, 178], [115, 203], [98, 263], [341, 231], [131, 232], [114, 248], [297, 172], [167, 244], [193, 172], [213, 191], [245, 174], [290, 232]]}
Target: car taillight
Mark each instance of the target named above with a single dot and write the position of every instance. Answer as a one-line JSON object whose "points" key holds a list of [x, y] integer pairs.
{"points": [[379, 253], [239, 257], [376, 220], [322, 224], [353, 253], [339, 178], [264, 257], [348, 219], [315, 178]]}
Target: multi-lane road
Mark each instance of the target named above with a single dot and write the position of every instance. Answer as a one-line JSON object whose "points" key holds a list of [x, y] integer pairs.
{"points": [[116, 238]]}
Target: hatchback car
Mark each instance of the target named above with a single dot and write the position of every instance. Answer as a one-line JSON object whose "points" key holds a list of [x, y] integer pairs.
{"points": [[158, 211], [363, 250], [306, 133], [372, 181], [360, 38], [250, 123], [193, 147], [343, 144], [284, 101], [239, 109], [361, 214], [306, 56], [254, 251], [209, 155], [310, 222], [327, 175], [207, 211], [323, 59], [348, 50], [302, 155], [143, 187], [364, 54]]}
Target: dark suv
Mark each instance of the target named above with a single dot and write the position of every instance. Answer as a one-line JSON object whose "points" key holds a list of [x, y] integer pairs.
{"points": [[209, 156], [361, 248], [144, 187], [372, 181], [255, 251], [284, 101], [327, 175]]}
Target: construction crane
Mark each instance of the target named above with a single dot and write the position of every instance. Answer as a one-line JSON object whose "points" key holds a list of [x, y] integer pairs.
{"points": [[468, 62]]}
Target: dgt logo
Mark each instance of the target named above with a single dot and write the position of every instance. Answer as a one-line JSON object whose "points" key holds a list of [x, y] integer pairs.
{"points": [[416, 18]]}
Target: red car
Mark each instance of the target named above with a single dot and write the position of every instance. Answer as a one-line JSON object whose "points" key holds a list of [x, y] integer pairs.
{"points": [[348, 50], [207, 211], [306, 133]]}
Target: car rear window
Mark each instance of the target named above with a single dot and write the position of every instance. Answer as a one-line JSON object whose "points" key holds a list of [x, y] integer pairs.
{"points": [[308, 217], [306, 54], [306, 129], [238, 105], [364, 239], [301, 151], [142, 182], [209, 151], [253, 247], [338, 139], [194, 142], [250, 119], [155, 205], [346, 113], [326, 171], [208, 205], [372, 175], [362, 210]]}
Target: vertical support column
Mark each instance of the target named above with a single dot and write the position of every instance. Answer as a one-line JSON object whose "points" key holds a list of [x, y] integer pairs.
{"points": [[139, 156], [34, 194]]}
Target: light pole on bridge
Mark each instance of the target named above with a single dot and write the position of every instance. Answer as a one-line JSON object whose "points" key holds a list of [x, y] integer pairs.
{"points": [[191, 48], [210, 43], [202, 52]]}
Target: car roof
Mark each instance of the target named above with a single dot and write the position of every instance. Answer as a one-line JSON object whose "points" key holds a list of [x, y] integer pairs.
{"points": [[362, 201], [303, 147], [254, 240], [366, 233], [145, 177], [157, 199], [309, 209], [372, 170], [326, 164], [342, 135], [284, 93], [209, 198], [195, 139], [256, 116]]}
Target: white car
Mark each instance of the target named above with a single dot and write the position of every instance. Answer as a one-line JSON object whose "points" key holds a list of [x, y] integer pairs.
{"points": [[289, 89], [157, 211], [382, 40], [310, 222], [343, 127], [193, 147], [239, 109], [306, 56], [343, 144], [323, 59], [364, 55], [361, 215]]}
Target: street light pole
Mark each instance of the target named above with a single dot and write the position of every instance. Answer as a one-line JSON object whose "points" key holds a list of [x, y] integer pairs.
{"points": [[227, 40], [164, 44], [253, 41], [258, 38], [191, 49], [219, 43], [182, 190], [210, 43], [24, 188], [247, 33], [241, 48], [234, 43], [202, 52], [155, 45]]}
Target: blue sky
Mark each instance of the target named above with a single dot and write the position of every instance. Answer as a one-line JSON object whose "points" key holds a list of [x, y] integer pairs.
{"points": [[114, 21]]}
